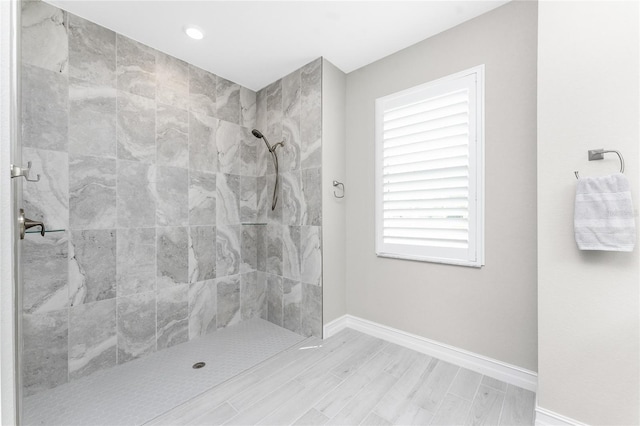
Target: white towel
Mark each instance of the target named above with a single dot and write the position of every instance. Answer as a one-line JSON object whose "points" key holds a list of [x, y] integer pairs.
{"points": [[603, 217]]}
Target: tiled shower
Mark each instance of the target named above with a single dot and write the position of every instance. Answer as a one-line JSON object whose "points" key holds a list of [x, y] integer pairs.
{"points": [[157, 200]]}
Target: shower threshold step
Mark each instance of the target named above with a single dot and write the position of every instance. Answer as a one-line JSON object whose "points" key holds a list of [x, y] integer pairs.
{"points": [[140, 390]]}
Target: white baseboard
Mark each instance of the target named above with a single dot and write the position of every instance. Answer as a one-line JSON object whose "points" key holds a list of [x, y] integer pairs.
{"points": [[335, 326], [546, 417], [508, 373]]}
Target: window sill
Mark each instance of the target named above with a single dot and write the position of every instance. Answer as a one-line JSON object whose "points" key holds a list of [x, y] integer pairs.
{"points": [[454, 262]]}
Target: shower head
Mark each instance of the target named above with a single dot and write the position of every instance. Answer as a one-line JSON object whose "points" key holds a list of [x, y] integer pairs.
{"points": [[258, 134]]}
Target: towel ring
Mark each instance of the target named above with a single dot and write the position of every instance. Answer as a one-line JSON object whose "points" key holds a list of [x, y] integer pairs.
{"points": [[339, 185], [598, 154]]}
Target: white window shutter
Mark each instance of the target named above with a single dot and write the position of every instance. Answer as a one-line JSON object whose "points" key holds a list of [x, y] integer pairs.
{"points": [[429, 171]]}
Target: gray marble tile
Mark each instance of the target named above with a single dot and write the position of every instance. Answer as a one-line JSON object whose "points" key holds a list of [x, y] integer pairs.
{"points": [[203, 152], [92, 52], [45, 277], [227, 201], [135, 260], [228, 100], [261, 124], [92, 119], [229, 141], [172, 256], [228, 299], [136, 194], [136, 128], [261, 278], [202, 198], [253, 296], [311, 311], [202, 253], [274, 114], [44, 36], [247, 107], [48, 199], [311, 115], [172, 188], [274, 299], [273, 242], [92, 193], [249, 250], [136, 316], [274, 215], [228, 250], [248, 199], [172, 136], [45, 351], [263, 198], [173, 316], [290, 155], [261, 108], [311, 255], [92, 338], [264, 159], [291, 301], [92, 266], [249, 152], [312, 195], [202, 92], [294, 206], [203, 308], [45, 108], [261, 248], [291, 252], [172, 79], [136, 67]]}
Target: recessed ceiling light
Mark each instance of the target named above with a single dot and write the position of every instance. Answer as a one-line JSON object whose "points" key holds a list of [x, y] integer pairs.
{"points": [[194, 32]]}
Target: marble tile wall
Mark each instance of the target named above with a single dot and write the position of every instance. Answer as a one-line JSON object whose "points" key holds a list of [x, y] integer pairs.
{"points": [[149, 166], [290, 245]]}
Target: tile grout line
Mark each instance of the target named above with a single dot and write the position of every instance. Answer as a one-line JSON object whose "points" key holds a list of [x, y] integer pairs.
{"points": [[475, 395], [445, 394], [118, 343], [504, 399], [155, 189], [68, 106]]}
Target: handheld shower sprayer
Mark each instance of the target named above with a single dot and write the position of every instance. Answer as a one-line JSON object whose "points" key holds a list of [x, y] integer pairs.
{"points": [[272, 149]]}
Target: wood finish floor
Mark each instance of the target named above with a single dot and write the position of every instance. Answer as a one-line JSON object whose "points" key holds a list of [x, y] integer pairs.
{"points": [[350, 379]]}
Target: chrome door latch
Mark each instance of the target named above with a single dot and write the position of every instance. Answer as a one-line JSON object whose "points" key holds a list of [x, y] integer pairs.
{"points": [[24, 172], [25, 223]]}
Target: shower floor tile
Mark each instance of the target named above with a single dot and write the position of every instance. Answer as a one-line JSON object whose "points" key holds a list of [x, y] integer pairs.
{"points": [[140, 390]]}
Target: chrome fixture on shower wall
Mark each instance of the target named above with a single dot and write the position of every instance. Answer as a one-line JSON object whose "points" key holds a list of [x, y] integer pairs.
{"points": [[272, 149]]}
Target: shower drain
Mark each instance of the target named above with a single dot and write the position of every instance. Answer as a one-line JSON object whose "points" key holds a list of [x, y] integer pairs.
{"points": [[198, 365]]}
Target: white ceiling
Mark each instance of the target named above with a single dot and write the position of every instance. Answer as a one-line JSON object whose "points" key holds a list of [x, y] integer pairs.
{"points": [[254, 43]]}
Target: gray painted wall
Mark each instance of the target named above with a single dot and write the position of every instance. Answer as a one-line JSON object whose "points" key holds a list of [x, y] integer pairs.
{"points": [[333, 209], [588, 302], [490, 311]]}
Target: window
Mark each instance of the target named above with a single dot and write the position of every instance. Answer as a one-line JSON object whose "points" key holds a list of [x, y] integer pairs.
{"points": [[429, 171]]}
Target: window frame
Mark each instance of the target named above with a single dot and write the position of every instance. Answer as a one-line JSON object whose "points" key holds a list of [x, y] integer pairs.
{"points": [[475, 251]]}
